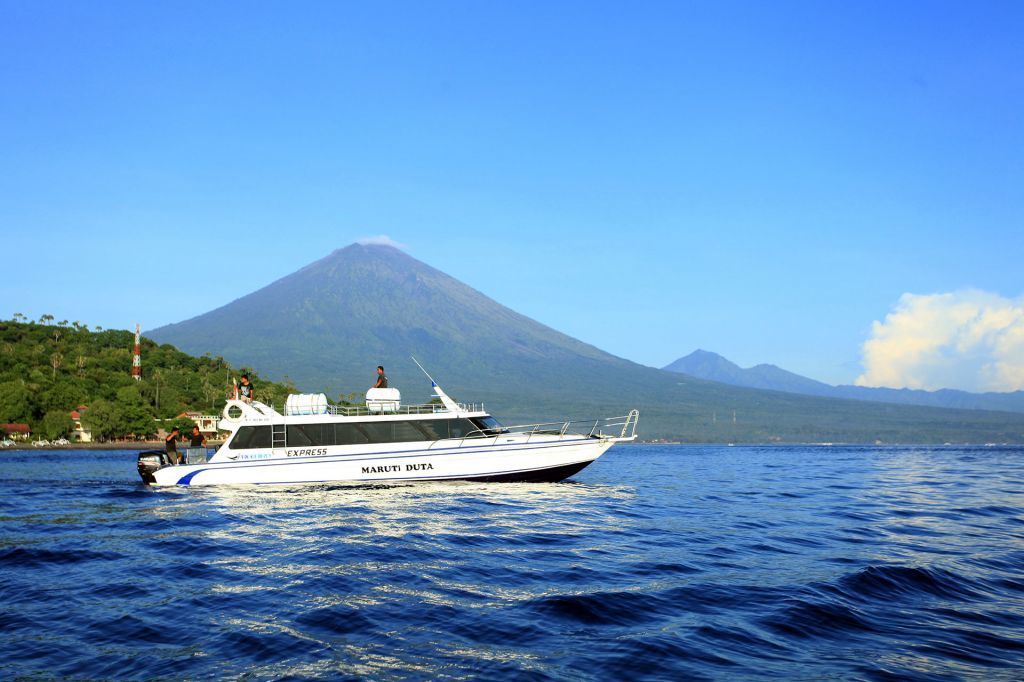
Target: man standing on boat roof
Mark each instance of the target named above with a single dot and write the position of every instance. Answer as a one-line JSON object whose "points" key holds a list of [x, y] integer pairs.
{"points": [[245, 389], [382, 379]]}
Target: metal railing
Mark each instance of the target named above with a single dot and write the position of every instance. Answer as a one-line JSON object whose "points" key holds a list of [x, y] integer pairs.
{"points": [[623, 428], [192, 455], [364, 411], [429, 408]]}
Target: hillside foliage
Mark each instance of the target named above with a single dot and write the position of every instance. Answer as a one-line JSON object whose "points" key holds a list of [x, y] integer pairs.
{"points": [[49, 368]]}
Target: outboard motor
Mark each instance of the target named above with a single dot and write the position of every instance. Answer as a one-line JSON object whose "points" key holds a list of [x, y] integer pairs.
{"points": [[149, 462]]}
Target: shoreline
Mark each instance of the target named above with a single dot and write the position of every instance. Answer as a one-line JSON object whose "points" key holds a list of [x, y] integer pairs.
{"points": [[116, 445], [159, 445]]}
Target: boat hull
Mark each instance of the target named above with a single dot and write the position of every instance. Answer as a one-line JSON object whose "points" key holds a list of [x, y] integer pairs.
{"points": [[549, 459]]}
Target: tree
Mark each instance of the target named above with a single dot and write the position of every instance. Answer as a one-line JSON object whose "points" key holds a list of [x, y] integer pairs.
{"points": [[104, 418], [56, 424], [46, 318], [38, 376], [15, 402], [63, 395], [184, 424], [210, 392], [137, 415]]}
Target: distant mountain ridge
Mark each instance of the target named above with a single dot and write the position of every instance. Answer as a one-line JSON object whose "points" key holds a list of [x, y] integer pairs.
{"points": [[329, 324], [713, 367]]}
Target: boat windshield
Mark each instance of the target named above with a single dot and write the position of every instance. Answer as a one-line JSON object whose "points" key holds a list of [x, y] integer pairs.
{"points": [[489, 425]]}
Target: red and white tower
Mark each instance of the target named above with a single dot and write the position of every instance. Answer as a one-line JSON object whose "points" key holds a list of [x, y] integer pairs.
{"points": [[137, 357]]}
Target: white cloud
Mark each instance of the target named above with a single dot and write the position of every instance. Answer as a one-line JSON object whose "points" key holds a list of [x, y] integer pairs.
{"points": [[972, 340], [381, 240]]}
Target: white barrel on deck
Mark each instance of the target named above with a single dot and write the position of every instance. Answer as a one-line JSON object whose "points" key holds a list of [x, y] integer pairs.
{"points": [[306, 403], [383, 399]]}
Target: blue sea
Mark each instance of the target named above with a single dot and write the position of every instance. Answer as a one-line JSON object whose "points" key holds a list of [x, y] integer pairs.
{"points": [[655, 563]]}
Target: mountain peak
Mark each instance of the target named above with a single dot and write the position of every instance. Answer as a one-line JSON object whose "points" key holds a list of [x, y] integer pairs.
{"points": [[381, 240], [713, 367], [706, 365], [371, 303], [701, 354], [367, 248]]}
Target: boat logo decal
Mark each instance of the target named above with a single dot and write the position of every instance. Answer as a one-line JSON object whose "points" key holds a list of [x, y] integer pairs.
{"points": [[307, 452], [388, 468]]}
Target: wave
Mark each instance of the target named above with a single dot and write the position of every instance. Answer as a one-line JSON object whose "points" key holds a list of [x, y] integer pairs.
{"points": [[38, 556], [890, 583]]}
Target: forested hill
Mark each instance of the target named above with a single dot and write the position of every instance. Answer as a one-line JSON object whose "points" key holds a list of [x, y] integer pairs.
{"points": [[49, 369]]}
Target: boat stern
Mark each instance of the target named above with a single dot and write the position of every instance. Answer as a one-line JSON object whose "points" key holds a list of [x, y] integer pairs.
{"points": [[149, 462]]}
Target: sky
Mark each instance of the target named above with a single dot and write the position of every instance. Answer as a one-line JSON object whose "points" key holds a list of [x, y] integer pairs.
{"points": [[835, 188]]}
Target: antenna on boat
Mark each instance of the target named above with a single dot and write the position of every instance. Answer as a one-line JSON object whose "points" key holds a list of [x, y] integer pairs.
{"points": [[448, 403]]}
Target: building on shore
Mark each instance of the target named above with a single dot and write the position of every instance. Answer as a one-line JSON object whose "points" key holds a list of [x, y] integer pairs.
{"points": [[207, 423], [16, 431], [80, 434]]}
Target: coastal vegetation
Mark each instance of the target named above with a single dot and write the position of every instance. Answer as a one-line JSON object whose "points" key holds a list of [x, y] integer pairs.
{"points": [[49, 368]]}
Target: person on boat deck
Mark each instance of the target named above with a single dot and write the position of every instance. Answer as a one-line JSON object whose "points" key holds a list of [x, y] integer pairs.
{"points": [[171, 445], [245, 389], [196, 440], [382, 379]]}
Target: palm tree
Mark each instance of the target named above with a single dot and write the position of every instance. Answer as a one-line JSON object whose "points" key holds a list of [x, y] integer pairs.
{"points": [[46, 318], [158, 374], [209, 392]]}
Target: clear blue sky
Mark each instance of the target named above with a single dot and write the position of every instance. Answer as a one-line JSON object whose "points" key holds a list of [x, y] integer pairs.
{"points": [[759, 179]]}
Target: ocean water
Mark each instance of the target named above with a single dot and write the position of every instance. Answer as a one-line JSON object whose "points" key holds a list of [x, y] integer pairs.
{"points": [[657, 562]]}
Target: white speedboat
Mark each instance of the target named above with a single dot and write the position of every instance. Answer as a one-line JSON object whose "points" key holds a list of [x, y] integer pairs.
{"points": [[385, 441]]}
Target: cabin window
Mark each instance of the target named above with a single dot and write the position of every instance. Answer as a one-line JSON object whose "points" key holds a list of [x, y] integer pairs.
{"points": [[249, 437], [406, 432], [490, 425], [379, 432], [432, 429], [307, 435], [390, 432], [349, 434], [462, 428], [361, 433]]}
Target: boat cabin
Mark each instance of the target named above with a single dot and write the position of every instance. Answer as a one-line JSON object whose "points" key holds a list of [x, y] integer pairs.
{"points": [[324, 433]]}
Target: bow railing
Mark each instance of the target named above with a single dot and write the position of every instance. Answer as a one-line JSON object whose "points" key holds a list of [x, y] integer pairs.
{"points": [[617, 428]]}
